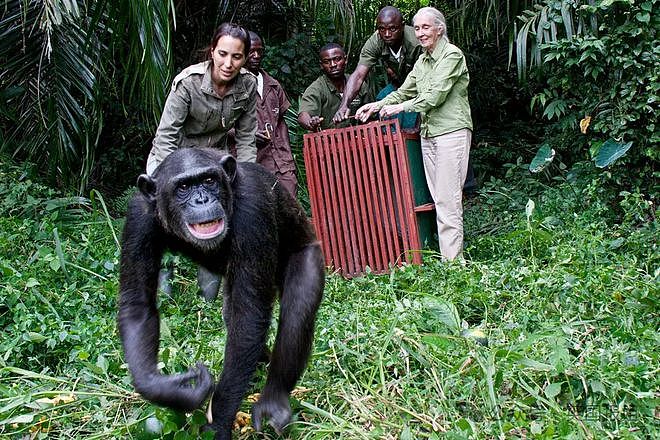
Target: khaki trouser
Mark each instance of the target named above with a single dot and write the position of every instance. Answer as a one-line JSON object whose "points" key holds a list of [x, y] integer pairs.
{"points": [[445, 165]]}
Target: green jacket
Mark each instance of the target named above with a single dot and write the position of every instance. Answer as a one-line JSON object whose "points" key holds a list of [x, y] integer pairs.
{"points": [[195, 116], [437, 87], [375, 51], [322, 98]]}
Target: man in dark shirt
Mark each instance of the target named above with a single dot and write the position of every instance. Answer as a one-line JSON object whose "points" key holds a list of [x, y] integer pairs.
{"points": [[321, 99], [273, 144], [393, 45]]}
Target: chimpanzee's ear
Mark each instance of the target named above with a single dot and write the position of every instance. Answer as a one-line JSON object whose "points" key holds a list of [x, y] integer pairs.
{"points": [[228, 163], [147, 186]]}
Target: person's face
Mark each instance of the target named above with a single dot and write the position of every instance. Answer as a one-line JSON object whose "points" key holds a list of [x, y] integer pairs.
{"points": [[427, 32], [255, 56], [333, 62], [390, 29], [228, 58]]}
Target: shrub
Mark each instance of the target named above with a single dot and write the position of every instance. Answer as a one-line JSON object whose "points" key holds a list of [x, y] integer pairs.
{"points": [[601, 77]]}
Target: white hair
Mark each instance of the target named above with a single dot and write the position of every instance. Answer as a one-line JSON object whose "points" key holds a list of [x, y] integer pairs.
{"points": [[437, 16]]}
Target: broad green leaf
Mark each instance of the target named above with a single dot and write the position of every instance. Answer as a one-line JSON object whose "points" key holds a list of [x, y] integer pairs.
{"points": [[35, 337], [543, 158], [552, 390], [466, 425], [23, 418], [535, 365], [597, 386], [446, 313], [439, 341], [610, 151], [102, 363], [406, 434]]}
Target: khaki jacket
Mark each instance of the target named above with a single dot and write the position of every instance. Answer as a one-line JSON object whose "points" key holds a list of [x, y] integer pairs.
{"points": [[196, 116], [437, 88]]}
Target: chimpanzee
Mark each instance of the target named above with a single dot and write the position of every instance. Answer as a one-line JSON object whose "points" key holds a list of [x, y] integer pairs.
{"points": [[235, 220]]}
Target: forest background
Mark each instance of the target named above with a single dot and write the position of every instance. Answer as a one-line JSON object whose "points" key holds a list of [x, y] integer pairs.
{"points": [[549, 331]]}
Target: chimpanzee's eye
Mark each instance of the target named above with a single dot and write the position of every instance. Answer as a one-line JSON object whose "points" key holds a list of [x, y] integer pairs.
{"points": [[210, 183], [183, 189]]}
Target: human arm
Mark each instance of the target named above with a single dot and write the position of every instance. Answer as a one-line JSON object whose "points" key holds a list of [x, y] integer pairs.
{"points": [[170, 129], [245, 129], [310, 109], [351, 89], [439, 83], [309, 122], [393, 103]]}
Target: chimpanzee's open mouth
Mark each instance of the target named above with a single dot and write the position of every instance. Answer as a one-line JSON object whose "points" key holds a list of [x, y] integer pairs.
{"points": [[205, 231]]}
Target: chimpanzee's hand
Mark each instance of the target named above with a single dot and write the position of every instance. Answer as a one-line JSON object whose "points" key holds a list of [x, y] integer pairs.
{"points": [[274, 407], [184, 392]]}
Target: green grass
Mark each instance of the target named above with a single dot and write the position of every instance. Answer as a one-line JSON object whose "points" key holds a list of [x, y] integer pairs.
{"points": [[565, 292]]}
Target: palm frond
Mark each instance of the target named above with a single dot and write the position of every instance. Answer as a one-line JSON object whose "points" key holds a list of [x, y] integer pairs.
{"points": [[49, 58], [146, 62], [547, 23], [53, 54]]}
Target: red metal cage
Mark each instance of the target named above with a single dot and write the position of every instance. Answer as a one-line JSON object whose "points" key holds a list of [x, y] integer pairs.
{"points": [[361, 196]]}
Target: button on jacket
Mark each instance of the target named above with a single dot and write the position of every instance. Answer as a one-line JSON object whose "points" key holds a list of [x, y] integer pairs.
{"points": [[196, 116], [436, 88]]}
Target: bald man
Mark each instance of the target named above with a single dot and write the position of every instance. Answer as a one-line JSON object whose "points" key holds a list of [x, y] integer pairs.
{"points": [[393, 45]]}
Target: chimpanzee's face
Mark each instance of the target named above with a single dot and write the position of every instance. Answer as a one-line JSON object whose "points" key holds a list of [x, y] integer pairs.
{"points": [[193, 197], [199, 201]]}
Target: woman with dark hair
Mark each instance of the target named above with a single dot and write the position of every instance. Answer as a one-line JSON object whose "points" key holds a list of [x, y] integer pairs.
{"points": [[210, 98]]}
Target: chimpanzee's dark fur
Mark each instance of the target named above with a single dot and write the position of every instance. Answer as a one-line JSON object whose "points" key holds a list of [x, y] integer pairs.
{"points": [[266, 248]]}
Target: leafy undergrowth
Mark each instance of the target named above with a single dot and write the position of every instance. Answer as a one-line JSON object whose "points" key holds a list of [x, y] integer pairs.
{"points": [[550, 330]]}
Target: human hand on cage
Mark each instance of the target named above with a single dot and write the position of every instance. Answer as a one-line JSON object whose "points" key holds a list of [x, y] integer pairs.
{"points": [[365, 112], [390, 110]]}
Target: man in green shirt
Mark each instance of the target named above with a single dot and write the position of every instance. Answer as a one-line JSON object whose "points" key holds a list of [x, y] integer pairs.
{"points": [[321, 99], [393, 45], [437, 89]]}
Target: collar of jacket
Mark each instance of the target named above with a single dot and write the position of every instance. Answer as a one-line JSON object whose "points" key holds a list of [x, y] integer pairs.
{"points": [[439, 48], [331, 86]]}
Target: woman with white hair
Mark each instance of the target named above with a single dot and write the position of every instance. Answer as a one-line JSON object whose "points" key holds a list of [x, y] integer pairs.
{"points": [[437, 88]]}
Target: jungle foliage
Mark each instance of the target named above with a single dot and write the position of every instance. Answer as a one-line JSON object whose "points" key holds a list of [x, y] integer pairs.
{"points": [[83, 82], [549, 330]]}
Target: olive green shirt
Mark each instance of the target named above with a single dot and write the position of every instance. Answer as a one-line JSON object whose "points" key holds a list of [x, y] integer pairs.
{"points": [[196, 116], [322, 99], [375, 50], [436, 88]]}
